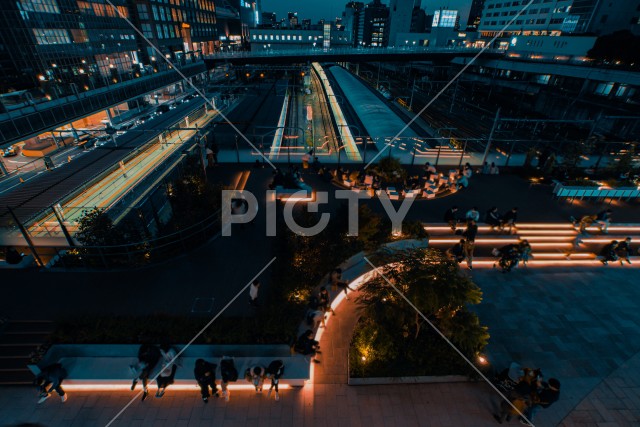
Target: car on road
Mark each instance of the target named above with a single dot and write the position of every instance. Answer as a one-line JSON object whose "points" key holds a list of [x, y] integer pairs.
{"points": [[163, 108], [87, 143], [10, 151], [146, 118], [102, 140]]}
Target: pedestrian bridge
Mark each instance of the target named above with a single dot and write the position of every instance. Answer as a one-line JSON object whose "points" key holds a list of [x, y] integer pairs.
{"points": [[270, 56]]}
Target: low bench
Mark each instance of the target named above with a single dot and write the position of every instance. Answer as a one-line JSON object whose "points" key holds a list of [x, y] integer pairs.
{"points": [[108, 366]]}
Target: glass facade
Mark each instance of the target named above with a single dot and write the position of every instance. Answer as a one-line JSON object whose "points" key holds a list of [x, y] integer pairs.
{"points": [[68, 46]]}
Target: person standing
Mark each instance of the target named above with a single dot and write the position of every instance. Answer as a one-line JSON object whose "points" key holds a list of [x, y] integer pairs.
{"points": [[450, 217], [470, 242], [253, 293], [50, 379], [167, 374], [205, 374], [275, 370], [544, 397], [493, 170]]}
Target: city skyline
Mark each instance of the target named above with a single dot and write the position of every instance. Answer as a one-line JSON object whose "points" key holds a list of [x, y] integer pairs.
{"points": [[330, 9]]}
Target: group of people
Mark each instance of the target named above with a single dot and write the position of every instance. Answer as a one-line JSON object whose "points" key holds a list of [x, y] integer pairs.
{"points": [[319, 309], [527, 392], [510, 256], [464, 249], [492, 217], [50, 378], [617, 251], [602, 219]]}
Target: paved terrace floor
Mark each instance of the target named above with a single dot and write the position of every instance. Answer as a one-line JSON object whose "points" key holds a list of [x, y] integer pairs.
{"points": [[576, 324], [579, 326]]}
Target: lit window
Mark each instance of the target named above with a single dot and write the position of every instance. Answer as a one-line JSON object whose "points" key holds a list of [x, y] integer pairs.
{"points": [[603, 89], [42, 6]]}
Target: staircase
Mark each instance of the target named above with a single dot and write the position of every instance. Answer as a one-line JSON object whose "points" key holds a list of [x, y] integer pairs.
{"points": [[19, 339], [550, 243]]}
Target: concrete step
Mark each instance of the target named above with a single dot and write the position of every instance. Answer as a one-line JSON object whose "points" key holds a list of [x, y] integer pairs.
{"points": [[16, 350], [16, 377], [29, 326], [21, 338], [13, 363]]}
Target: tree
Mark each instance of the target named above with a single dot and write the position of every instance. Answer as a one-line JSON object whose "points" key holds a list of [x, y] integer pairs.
{"points": [[95, 228], [620, 46], [393, 333]]}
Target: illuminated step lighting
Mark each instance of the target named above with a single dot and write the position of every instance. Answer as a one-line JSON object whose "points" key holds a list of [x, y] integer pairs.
{"points": [[478, 241], [560, 255], [555, 263], [546, 225], [547, 232], [190, 386], [547, 238]]}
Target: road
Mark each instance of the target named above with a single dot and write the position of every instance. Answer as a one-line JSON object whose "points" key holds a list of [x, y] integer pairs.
{"points": [[46, 189], [108, 190]]}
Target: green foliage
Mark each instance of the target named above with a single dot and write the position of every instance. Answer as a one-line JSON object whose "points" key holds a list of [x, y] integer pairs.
{"points": [[95, 228], [390, 171], [192, 198], [414, 230], [394, 339]]}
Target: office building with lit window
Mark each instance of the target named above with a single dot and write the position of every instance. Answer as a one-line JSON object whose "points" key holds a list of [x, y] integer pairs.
{"points": [[373, 25], [65, 46], [542, 18], [180, 30], [270, 39]]}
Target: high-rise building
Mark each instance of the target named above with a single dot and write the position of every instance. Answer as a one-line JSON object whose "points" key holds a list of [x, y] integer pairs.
{"points": [[373, 25], [351, 19], [400, 14], [541, 18], [418, 20], [306, 24], [475, 14], [180, 30], [269, 20], [232, 31], [293, 19], [604, 17], [66, 46]]}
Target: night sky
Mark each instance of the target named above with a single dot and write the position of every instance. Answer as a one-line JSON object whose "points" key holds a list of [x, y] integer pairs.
{"points": [[329, 9]]}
